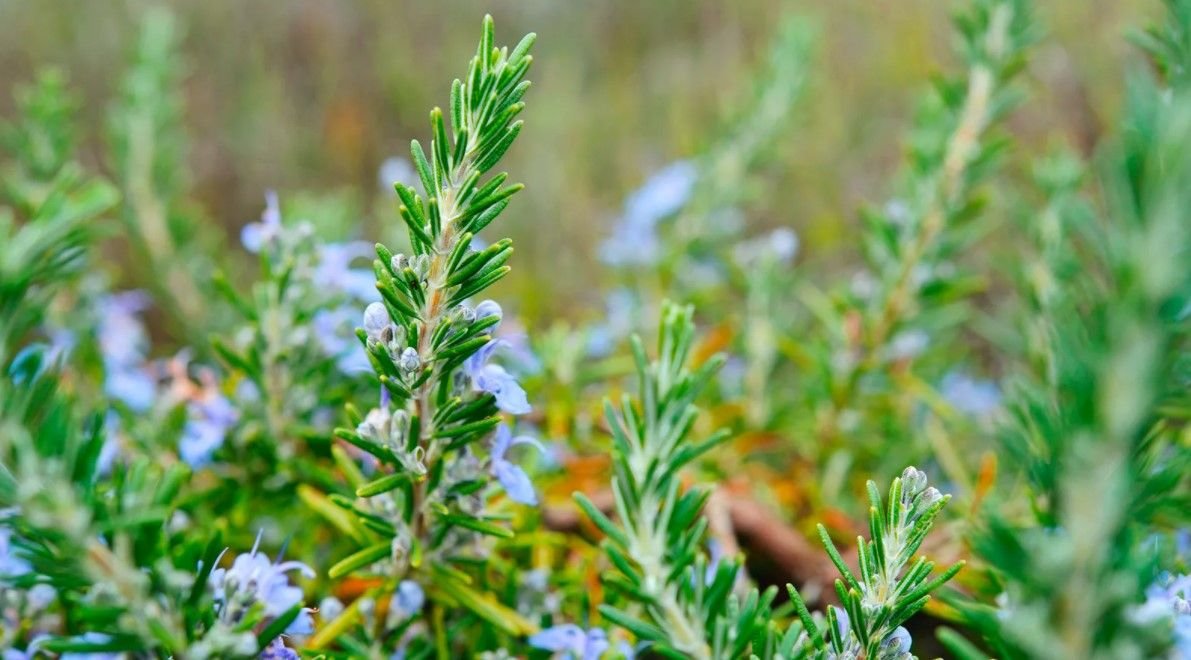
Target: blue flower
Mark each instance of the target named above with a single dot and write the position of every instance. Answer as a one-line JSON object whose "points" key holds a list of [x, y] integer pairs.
{"points": [[124, 345], [334, 331], [254, 579], [514, 480], [634, 240], [977, 398], [571, 641], [897, 644], [620, 311], [11, 565], [210, 418], [255, 235], [277, 650], [493, 379], [1170, 598], [93, 638], [334, 271], [396, 170], [409, 599]]}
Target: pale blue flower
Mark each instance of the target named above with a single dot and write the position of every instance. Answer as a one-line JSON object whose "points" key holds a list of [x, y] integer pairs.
{"points": [[396, 170], [620, 313], [277, 650], [409, 598], [124, 345], [634, 240], [334, 329], [977, 398], [896, 645], [715, 554], [489, 308], [1170, 598], [514, 480], [255, 235], [664, 194], [495, 380], [334, 271], [570, 641], [111, 443], [210, 419], [254, 579], [11, 565], [93, 638]]}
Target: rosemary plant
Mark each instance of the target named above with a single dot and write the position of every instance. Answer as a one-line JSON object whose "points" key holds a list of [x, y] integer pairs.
{"points": [[915, 289], [1098, 427], [688, 607], [889, 588], [421, 516]]}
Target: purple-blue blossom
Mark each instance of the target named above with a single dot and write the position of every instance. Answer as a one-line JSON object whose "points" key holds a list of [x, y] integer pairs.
{"points": [[124, 346], [209, 419], [277, 650], [11, 565], [1169, 597], [334, 330], [495, 380], [514, 479], [620, 311], [570, 641], [396, 169], [977, 398], [253, 579], [634, 240], [334, 272], [255, 235], [896, 645], [408, 599]]}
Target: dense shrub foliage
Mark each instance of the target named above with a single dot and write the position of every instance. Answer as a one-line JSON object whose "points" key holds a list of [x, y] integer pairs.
{"points": [[361, 451]]}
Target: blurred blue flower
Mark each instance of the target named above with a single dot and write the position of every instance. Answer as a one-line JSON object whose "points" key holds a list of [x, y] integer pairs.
{"points": [[10, 564], [277, 650], [254, 579], [977, 398], [570, 641], [210, 418], [620, 310], [843, 624], [93, 638], [493, 379], [514, 480], [334, 329], [634, 240], [124, 346], [335, 273], [409, 598], [396, 169], [1169, 597], [255, 235]]}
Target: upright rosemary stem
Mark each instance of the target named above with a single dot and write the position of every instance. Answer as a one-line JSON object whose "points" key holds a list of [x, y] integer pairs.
{"points": [[974, 118]]}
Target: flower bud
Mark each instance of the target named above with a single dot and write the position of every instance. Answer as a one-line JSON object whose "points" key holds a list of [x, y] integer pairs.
{"points": [[398, 262], [409, 361], [913, 481], [488, 308], [376, 321], [464, 315]]}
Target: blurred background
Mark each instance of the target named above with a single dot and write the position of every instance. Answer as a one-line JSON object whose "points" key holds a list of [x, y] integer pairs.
{"points": [[312, 95]]}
